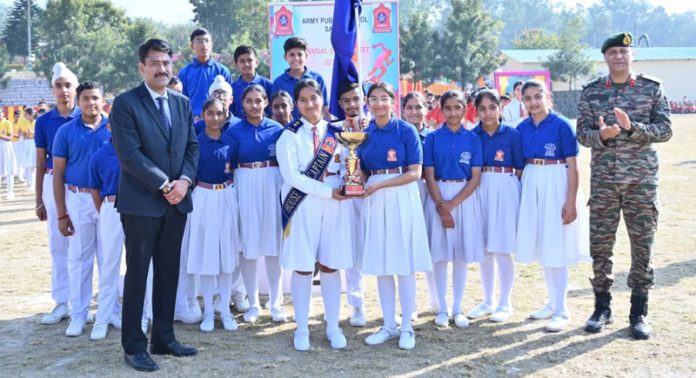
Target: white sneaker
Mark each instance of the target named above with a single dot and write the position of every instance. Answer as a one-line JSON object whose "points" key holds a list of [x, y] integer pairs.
{"points": [[76, 327], [336, 338], [208, 323], [460, 320], [144, 323], [278, 315], [241, 303], [99, 331], [433, 308], [10, 196], [442, 319], [479, 312], [558, 323], [407, 340], [115, 321], [186, 317], [358, 317], [381, 336], [60, 312], [228, 323], [194, 307], [301, 340], [252, 315], [544, 313], [501, 314]]}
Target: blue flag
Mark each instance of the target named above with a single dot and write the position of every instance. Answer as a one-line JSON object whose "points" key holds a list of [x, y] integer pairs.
{"points": [[343, 35]]}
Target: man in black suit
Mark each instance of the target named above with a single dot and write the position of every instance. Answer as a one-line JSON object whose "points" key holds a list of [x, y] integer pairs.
{"points": [[156, 145]]}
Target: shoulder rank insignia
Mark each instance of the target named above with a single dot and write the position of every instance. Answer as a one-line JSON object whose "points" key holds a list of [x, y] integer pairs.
{"points": [[294, 126]]}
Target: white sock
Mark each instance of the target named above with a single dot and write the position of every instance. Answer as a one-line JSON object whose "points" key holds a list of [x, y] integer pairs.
{"points": [[440, 273], [10, 184], [225, 285], [488, 278], [560, 282], [432, 288], [550, 289], [331, 293], [301, 290], [458, 285], [208, 290], [387, 300], [251, 280], [506, 272], [407, 297], [29, 174], [273, 275]]}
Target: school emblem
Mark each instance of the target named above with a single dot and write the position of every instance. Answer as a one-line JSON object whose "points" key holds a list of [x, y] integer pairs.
{"points": [[271, 150], [329, 145], [382, 19], [391, 155], [228, 167], [499, 155], [282, 22], [550, 149], [465, 158]]}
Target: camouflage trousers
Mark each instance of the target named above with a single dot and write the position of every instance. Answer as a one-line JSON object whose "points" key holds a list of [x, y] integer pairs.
{"points": [[638, 203]]}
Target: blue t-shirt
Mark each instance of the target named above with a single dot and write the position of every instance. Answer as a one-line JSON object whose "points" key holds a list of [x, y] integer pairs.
{"points": [[553, 139], [76, 143], [197, 78], [104, 171], [240, 85], [45, 130], [216, 159], [452, 154], [287, 83], [397, 144], [503, 148], [255, 143], [200, 125]]}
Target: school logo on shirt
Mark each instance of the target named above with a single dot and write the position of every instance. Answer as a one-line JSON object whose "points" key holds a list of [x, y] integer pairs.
{"points": [[282, 22], [329, 145], [391, 155], [228, 167], [550, 149], [465, 158], [271, 150], [382, 16], [499, 155]]}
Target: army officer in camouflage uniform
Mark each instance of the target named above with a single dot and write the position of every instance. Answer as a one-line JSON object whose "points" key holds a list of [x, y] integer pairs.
{"points": [[620, 117]]}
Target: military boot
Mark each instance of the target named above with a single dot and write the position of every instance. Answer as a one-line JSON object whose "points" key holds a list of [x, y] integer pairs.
{"points": [[640, 327], [602, 313]]}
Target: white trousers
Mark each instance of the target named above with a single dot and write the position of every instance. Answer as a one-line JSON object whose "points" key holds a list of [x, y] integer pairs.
{"points": [[57, 245], [109, 262], [82, 249]]}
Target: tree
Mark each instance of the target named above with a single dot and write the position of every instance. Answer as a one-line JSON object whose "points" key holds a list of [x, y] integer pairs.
{"points": [[522, 15], [570, 62], [4, 56], [537, 39], [468, 45], [14, 33], [416, 45]]}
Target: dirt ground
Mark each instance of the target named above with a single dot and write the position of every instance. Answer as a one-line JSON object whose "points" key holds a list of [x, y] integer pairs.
{"points": [[519, 347]]}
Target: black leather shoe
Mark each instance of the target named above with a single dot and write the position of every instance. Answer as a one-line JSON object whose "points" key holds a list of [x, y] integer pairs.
{"points": [[602, 313], [174, 348], [141, 362]]}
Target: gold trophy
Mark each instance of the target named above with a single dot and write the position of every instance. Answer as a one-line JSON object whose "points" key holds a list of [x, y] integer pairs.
{"points": [[353, 185]]}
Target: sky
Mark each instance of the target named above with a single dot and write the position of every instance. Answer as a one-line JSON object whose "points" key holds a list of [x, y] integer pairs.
{"points": [[181, 11]]}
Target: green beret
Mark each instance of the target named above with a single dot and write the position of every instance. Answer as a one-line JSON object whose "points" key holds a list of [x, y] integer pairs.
{"points": [[618, 40]]}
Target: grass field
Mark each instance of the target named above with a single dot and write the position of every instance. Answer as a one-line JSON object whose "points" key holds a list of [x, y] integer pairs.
{"points": [[519, 347]]}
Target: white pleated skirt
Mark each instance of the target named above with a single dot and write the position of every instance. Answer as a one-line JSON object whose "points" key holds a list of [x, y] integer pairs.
{"points": [[26, 156], [318, 232], [541, 235], [464, 242], [423, 191], [351, 208], [500, 205], [213, 240], [8, 160], [258, 190], [396, 241]]}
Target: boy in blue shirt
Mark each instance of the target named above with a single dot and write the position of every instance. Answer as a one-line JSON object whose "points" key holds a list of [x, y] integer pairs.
{"points": [[247, 61]]}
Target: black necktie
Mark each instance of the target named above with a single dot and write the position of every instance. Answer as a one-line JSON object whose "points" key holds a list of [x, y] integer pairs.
{"points": [[163, 114]]}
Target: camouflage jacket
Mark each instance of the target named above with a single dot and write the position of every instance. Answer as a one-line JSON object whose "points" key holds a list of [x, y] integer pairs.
{"points": [[630, 157]]}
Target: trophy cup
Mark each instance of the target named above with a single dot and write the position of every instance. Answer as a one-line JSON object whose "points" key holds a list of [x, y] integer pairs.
{"points": [[353, 185]]}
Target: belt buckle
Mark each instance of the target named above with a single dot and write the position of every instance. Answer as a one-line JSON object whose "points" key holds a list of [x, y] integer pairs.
{"points": [[539, 161], [257, 164], [218, 186]]}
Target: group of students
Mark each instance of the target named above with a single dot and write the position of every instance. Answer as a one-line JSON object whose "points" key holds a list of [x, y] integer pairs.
{"points": [[17, 152]]}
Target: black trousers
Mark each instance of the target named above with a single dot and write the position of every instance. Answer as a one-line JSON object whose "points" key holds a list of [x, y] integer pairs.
{"points": [[159, 240]]}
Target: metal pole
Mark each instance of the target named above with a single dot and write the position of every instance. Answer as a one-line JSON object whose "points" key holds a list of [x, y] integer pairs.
{"points": [[359, 63], [29, 34]]}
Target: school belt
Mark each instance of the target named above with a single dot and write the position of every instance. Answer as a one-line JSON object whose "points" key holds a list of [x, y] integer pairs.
{"points": [[499, 169], [441, 180], [388, 171], [222, 186], [49, 171], [259, 164], [77, 189], [111, 199], [545, 161]]}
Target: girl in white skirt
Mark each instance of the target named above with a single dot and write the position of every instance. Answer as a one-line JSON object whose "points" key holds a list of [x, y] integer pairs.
{"points": [[8, 162], [212, 229], [258, 187], [553, 227], [414, 110], [499, 193], [396, 242], [452, 159], [315, 232], [26, 155]]}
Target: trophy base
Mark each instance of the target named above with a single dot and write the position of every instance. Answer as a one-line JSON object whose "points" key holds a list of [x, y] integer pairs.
{"points": [[353, 190]]}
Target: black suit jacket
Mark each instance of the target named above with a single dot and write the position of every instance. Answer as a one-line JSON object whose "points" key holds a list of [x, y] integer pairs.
{"points": [[149, 153]]}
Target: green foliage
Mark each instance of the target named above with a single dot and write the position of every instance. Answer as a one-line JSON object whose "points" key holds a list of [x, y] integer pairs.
{"points": [[531, 39], [416, 46], [570, 62], [4, 56], [14, 32]]}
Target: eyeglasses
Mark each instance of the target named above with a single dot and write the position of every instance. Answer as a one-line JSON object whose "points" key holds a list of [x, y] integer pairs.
{"points": [[379, 100]]}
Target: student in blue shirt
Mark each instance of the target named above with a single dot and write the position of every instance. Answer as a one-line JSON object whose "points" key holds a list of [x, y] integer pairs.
{"points": [[247, 61], [281, 107], [73, 147], [500, 203], [198, 75], [63, 85], [296, 56], [396, 242], [452, 158], [221, 90], [553, 226], [212, 241]]}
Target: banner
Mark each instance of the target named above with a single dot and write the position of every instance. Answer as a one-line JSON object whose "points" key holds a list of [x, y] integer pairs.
{"points": [[379, 33], [505, 80]]}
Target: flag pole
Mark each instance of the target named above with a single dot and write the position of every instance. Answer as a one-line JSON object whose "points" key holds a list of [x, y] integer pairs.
{"points": [[356, 11]]}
